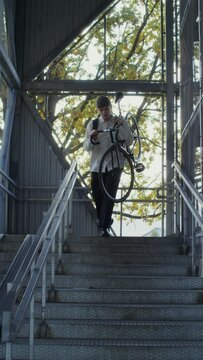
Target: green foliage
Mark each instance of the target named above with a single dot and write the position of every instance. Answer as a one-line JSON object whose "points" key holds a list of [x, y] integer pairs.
{"points": [[133, 52]]}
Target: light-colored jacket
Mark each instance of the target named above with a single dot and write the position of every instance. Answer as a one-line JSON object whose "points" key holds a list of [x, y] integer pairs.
{"points": [[104, 139]]}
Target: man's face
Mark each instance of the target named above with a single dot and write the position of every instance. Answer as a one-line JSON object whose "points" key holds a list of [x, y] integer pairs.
{"points": [[105, 112]]}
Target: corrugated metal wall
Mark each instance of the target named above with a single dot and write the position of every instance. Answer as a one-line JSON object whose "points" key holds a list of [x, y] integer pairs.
{"points": [[48, 27], [43, 28], [38, 172]]}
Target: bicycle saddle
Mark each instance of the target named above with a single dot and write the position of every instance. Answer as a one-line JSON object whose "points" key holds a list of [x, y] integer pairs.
{"points": [[119, 96]]}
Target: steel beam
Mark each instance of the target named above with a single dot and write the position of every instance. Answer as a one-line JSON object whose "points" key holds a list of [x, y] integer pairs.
{"points": [[169, 115], [47, 86], [8, 69]]}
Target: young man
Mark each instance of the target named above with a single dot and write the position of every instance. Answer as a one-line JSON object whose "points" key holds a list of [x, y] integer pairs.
{"points": [[97, 144]]}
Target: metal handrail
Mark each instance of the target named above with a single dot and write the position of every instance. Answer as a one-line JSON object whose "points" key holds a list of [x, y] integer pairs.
{"points": [[34, 251], [193, 200], [189, 204], [189, 184], [8, 178], [10, 181]]}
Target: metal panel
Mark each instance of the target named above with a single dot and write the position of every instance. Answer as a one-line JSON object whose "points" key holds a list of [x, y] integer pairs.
{"points": [[38, 172], [49, 26]]}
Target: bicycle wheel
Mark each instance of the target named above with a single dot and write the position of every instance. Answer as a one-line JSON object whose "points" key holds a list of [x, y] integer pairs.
{"points": [[116, 174], [135, 148]]}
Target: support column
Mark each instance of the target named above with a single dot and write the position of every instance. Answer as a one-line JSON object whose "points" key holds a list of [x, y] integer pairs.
{"points": [[170, 145]]}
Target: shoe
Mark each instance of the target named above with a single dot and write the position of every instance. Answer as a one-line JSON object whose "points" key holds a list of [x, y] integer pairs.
{"points": [[106, 233]]}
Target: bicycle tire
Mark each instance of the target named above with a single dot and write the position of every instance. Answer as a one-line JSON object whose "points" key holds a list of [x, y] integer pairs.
{"points": [[135, 148], [118, 160]]}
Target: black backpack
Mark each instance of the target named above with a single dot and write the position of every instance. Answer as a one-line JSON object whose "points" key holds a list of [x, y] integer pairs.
{"points": [[95, 124]]}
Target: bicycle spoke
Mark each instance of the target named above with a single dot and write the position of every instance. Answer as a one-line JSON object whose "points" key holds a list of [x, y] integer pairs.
{"points": [[115, 161]]}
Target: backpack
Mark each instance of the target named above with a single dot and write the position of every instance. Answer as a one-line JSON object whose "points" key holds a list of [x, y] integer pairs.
{"points": [[94, 127], [95, 124]]}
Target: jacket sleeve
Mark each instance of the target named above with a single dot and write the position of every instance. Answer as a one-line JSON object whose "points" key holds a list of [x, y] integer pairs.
{"points": [[87, 145]]}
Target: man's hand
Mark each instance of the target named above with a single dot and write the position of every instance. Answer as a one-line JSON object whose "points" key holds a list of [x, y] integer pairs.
{"points": [[93, 135], [119, 121]]}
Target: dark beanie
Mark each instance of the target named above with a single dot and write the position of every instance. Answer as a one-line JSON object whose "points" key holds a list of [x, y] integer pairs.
{"points": [[103, 101]]}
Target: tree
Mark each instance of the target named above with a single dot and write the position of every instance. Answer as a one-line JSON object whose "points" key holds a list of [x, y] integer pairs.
{"points": [[128, 48]]}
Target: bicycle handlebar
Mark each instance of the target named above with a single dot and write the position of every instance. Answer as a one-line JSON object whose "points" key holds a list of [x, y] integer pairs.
{"points": [[110, 130], [107, 130]]}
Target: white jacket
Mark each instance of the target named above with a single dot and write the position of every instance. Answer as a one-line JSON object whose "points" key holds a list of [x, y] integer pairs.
{"points": [[104, 140]]}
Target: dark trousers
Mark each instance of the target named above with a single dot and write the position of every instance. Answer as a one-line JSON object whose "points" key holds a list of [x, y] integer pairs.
{"points": [[104, 206]]}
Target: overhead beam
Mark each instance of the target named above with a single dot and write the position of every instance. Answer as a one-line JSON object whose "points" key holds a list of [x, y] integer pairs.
{"points": [[47, 86], [8, 69]]}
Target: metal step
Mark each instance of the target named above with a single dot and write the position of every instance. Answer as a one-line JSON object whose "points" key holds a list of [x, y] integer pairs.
{"points": [[106, 249], [6, 257], [108, 349], [4, 267], [127, 282], [12, 238], [122, 311], [122, 269], [127, 259], [120, 298], [9, 247], [120, 329], [120, 240], [115, 296]]}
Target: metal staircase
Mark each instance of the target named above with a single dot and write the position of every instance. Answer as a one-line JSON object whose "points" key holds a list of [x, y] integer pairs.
{"points": [[117, 298]]}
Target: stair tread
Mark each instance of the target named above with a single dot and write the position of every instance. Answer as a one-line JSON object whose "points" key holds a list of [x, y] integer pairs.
{"points": [[107, 302], [128, 305], [118, 323], [124, 239], [127, 282], [116, 342], [133, 277]]}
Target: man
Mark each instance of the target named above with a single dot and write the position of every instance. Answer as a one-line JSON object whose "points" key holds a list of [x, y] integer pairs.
{"points": [[97, 144]]}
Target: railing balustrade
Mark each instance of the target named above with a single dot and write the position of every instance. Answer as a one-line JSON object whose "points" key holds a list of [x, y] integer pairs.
{"points": [[30, 263]]}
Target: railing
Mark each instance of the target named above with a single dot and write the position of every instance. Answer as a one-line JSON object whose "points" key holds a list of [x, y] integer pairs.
{"points": [[188, 195], [8, 188], [6, 181], [159, 198], [31, 262]]}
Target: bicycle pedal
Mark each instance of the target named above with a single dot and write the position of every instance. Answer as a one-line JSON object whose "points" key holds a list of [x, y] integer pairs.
{"points": [[139, 167]]}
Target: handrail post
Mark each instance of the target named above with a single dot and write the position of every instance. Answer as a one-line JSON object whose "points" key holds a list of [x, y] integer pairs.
{"points": [[70, 213], [36, 255], [31, 327], [6, 334], [52, 291], [66, 229], [43, 325], [60, 240], [193, 248], [66, 223], [44, 279], [177, 202], [177, 212], [121, 216]]}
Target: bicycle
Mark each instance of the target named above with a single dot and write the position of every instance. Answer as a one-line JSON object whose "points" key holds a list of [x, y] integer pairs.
{"points": [[123, 159]]}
